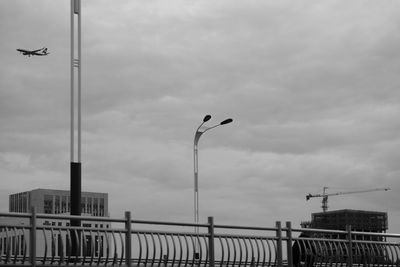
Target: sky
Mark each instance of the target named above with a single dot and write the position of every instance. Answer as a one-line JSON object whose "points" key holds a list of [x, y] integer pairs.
{"points": [[311, 86]]}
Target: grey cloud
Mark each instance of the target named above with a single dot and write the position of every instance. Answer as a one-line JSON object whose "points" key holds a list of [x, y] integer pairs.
{"points": [[311, 86]]}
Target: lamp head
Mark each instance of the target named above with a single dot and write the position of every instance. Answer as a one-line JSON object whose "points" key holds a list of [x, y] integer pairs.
{"points": [[226, 121], [207, 118]]}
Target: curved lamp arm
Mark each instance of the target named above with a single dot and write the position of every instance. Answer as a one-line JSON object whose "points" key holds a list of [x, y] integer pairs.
{"points": [[207, 118]]}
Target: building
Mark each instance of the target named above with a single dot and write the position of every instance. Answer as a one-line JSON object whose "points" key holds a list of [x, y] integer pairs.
{"points": [[360, 220], [55, 202], [50, 201]]}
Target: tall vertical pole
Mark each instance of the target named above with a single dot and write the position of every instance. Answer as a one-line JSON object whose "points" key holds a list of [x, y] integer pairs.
{"points": [[72, 83], [128, 239], [279, 239], [76, 170], [196, 191], [196, 183], [350, 246], [32, 237], [289, 241], [211, 247], [79, 63]]}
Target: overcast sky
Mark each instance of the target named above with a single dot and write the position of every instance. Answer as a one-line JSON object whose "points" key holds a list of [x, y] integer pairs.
{"points": [[312, 87]]}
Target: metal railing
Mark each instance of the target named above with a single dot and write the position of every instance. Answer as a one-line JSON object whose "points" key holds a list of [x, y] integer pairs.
{"points": [[47, 240]]}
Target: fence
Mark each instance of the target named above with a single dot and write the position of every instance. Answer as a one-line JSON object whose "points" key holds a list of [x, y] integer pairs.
{"points": [[46, 240]]}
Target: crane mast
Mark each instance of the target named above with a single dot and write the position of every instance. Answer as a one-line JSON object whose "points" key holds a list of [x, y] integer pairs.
{"points": [[325, 195]]}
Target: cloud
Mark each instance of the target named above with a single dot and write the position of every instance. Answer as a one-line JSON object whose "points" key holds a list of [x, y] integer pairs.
{"points": [[311, 87]]}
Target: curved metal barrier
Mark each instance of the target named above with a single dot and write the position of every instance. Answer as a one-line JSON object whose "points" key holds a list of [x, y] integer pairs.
{"points": [[47, 240], [362, 249]]}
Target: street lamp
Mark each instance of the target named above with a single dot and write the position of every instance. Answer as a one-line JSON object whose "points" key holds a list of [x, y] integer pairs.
{"points": [[75, 147], [197, 135]]}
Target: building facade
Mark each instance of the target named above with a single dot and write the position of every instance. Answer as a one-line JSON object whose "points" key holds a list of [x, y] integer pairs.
{"points": [[51, 201], [360, 220], [55, 202]]}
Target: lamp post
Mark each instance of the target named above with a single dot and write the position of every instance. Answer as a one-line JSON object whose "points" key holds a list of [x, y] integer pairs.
{"points": [[75, 152], [197, 135]]}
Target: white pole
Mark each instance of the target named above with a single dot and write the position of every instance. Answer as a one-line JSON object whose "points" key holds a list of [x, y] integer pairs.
{"points": [[79, 79], [72, 84], [196, 191]]}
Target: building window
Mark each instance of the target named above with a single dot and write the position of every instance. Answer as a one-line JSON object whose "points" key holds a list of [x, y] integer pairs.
{"points": [[95, 207], [89, 205], [11, 203], [14, 202], [48, 204], [20, 202], [102, 207], [24, 200], [57, 205], [64, 204], [83, 205]]}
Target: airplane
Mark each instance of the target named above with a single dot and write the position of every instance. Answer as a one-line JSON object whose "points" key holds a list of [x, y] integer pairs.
{"points": [[38, 52]]}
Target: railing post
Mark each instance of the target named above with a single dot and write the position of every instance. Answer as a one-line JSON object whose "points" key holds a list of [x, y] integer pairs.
{"points": [[211, 250], [32, 237], [279, 244], [128, 238], [289, 244], [350, 246]]}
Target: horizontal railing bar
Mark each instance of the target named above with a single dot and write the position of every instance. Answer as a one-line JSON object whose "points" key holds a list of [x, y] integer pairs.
{"points": [[81, 218], [374, 242], [245, 236], [319, 239], [345, 240], [239, 227], [63, 217], [169, 233], [329, 231], [168, 223], [80, 228], [375, 234], [315, 230]]}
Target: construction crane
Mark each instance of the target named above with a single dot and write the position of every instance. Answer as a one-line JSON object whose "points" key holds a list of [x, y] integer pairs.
{"points": [[325, 196]]}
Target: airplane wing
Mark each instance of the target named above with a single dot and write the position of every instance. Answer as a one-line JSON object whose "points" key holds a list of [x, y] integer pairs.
{"points": [[37, 50], [23, 51], [40, 54], [43, 52]]}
